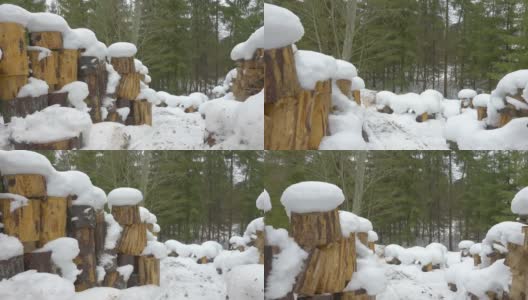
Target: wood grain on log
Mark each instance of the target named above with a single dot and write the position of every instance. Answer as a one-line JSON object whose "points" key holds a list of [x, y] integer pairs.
{"points": [[21, 107], [321, 111], [280, 75], [68, 144], [126, 215], [142, 112], [123, 65], [100, 232], [482, 113], [114, 280], [14, 54], [39, 261], [10, 85], [47, 39], [88, 278], [149, 270], [11, 267], [345, 86], [476, 260], [46, 68], [310, 230], [53, 219], [27, 185], [24, 222], [86, 239], [60, 99], [427, 268], [251, 76], [133, 239], [357, 295], [81, 216], [30, 246], [129, 86], [259, 244], [67, 67], [357, 97]]}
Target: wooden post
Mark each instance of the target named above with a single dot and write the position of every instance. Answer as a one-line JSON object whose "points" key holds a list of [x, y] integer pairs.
{"points": [[357, 295], [129, 86], [259, 243], [45, 68], [11, 267], [115, 280], [310, 230], [281, 80], [482, 113], [525, 231], [345, 86], [93, 72], [100, 232], [126, 215], [47, 39], [23, 223], [427, 268], [142, 112], [149, 270], [27, 185], [123, 65], [39, 261], [250, 80], [133, 239], [67, 67], [53, 219], [476, 260], [363, 238], [321, 111], [357, 96], [422, 118], [81, 224]]}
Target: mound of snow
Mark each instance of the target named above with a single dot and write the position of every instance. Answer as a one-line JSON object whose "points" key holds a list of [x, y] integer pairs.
{"points": [[345, 70], [124, 196], [519, 203], [466, 94], [245, 282], [282, 27], [122, 49], [264, 201], [312, 196], [313, 67]]}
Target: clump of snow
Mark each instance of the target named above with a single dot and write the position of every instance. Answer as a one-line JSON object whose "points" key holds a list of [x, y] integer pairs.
{"points": [[364, 225], [178, 248], [44, 21], [150, 95], [313, 67], [113, 232], [246, 50], [24, 162], [146, 216], [155, 249], [63, 251], [253, 227], [125, 271], [194, 100], [34, 285], [481, 100], [63, 184], [345, 70], [312, 196], [496, 278], [211, 249], [519, 105], [43, 52], [10, 247], [140, 67], [264, 201], [369, 276], [122, 49], [227, 260], [372, 236], [123, 113], [428, 102], [10, 13], [77, 92], [438, 254], [505, 232], [358, 83], [475, 249], [466, 94], [238, 241], [350, 223], [245, 282], [282, 27], [34, 88], [286, 265], [124, 196], [519, 203], [17, 201], [450, 108], [465, 245], [54, 123], [113, 79], [511, 84]]}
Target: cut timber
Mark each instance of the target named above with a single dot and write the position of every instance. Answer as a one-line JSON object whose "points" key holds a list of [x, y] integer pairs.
{"points": [[100, 232], [505, 118], [123, 65], [24, 222], [125, 259], [27, 185], [149, 270], [280, 75], [21, 107], [321, 110], [68, 65], [345, 86], [315, 229], [328, 269], [47, 39], [53, 219], [126, 215], [11, 267], [250, 80], [81, 216], [14, 54], [10, 85], [45, 68], [517, 260], [142, 112], [29, 246], [427, 268], [372, 246], [87, 279], [86, 239], [114, 280], [259, 244], [422, 118], [129, 86], [476, 260], [363, 238], [39, 261], [60, 99], [482, 113], [93, 72], [357, 96], [133, 239], [73, 143]]}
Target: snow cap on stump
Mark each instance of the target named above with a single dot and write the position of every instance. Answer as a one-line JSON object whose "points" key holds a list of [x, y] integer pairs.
{"points": [[465, 244], [264, 201], [10, 13], [358, 83], [467, 94], [282, 27], [519, 203], [10, 247], [24, 162], [124, 196], [345, 70], [312, 196], [40, 22], [122, 49], [349, 223]]}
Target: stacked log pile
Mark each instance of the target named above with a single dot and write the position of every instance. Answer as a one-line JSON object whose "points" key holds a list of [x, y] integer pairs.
{"points": [[250, 78], [295, 119], [510, 112], [14, 73]]}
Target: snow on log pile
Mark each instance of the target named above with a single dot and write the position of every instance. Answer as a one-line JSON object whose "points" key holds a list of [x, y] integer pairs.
{"points": [[509, 100], [249, 57], [326, 251], [433, 256], [303, 88], [424, 106], [56, 220]]}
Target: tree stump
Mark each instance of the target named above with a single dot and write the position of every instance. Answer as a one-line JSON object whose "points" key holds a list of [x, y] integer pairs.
{"points": [[345, 86], [126, 215], [363, 238], [24, 222], [133, 239], [27, 185], [67, 67], [476, 260], [482, 113], [149, 270], [88, 277], [259, 243], [322, 105], [357, 295], [39, 261], [328, 268], [81, 226], [142, 112], [73, 143], [93, 72], [14, 54], [123, 65], [10, 85], [427, 268], [129, 86], [372, 246], [53, 219], [45, 69], [250, 78], [100, 232], [11, 267], [315, 229], [357, 96], [114, 280], [21, 107], [281, 79], [60, 99], [47, 39], [422, 118]]}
